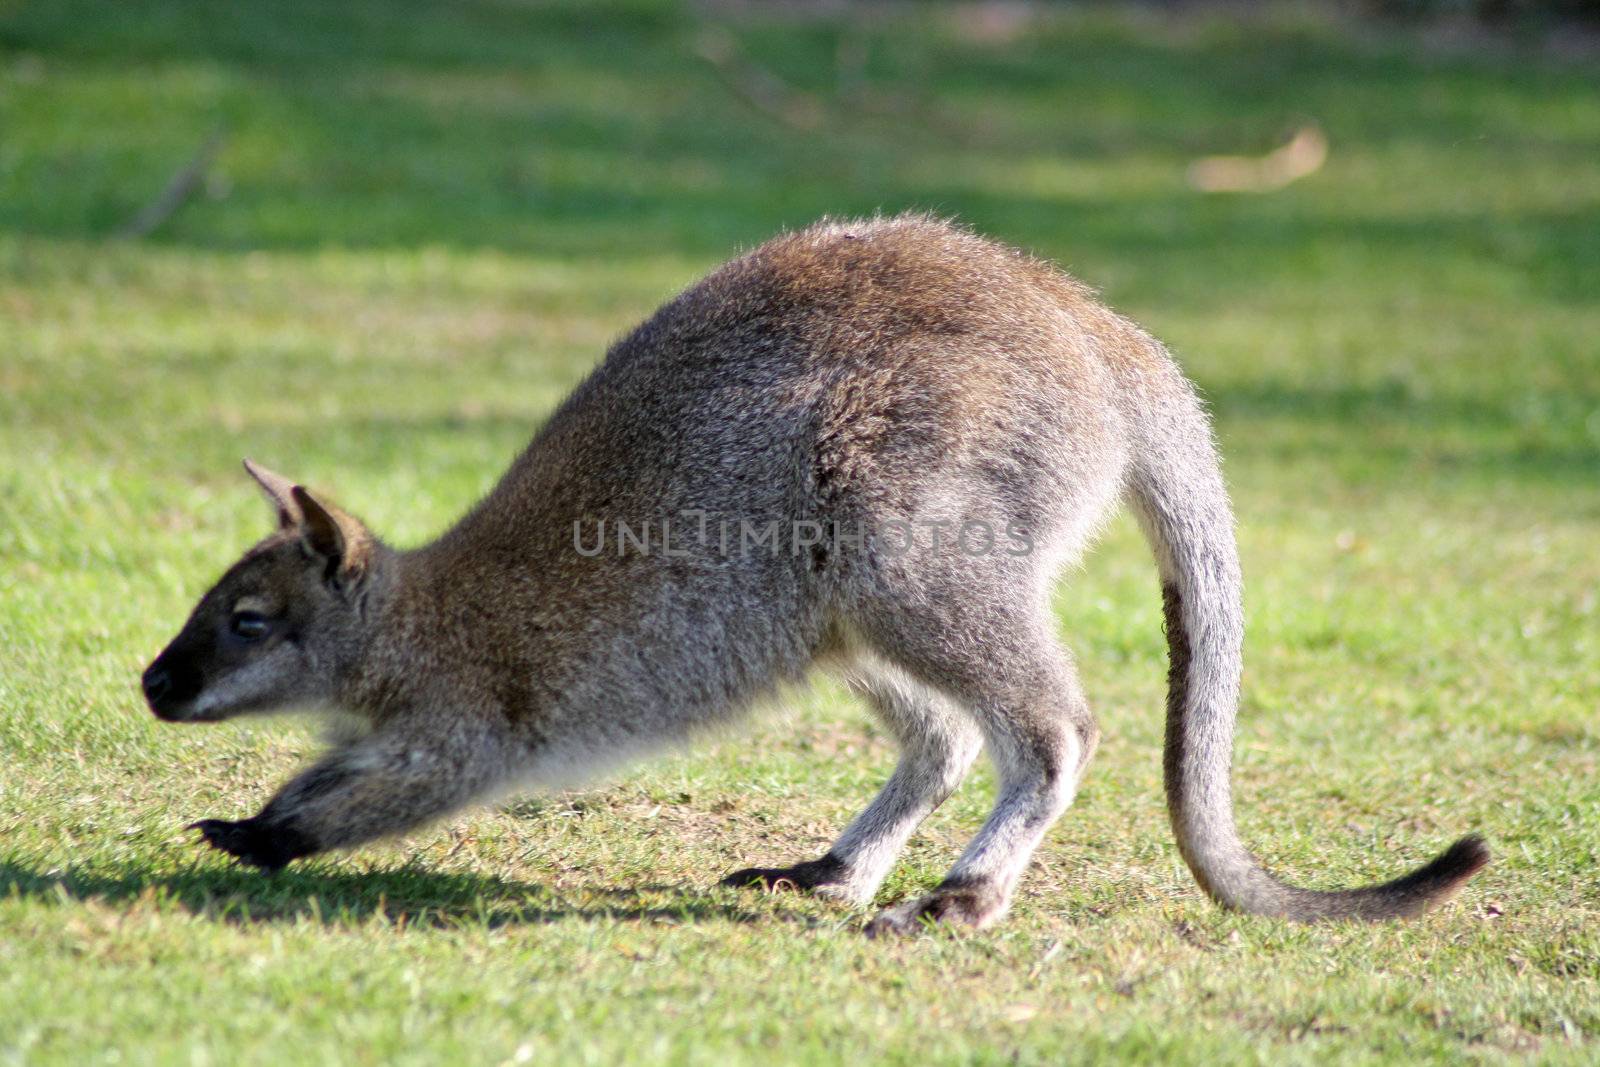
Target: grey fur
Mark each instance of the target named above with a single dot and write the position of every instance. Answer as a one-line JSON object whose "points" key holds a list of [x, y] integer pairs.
{"points": [[854, 375]]}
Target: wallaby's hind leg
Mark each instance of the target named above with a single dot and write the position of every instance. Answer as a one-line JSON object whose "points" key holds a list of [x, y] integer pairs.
{"points": [[938, 742], [386, 783], [1025, 696]]}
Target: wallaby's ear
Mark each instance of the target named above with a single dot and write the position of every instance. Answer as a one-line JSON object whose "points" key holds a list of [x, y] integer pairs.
{"points": [[279, 492], [330, 533]]}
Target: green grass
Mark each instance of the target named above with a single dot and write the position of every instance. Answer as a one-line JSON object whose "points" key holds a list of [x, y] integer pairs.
{"points": [[425, 224]]}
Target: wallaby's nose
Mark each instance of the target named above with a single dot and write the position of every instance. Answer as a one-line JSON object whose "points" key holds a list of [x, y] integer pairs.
{"points": [[169, 685], [157, 684]]}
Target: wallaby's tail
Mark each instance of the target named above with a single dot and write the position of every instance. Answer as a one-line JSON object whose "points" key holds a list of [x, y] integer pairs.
{"points": [[1178, 493]]}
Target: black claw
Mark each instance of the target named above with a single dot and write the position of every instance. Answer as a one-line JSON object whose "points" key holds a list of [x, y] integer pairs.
{"points": [[759, 878], [883, 926], [269, 848], [807, 875]]}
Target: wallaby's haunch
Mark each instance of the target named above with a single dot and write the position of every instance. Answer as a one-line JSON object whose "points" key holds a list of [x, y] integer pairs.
{"points": [[869, 446]]}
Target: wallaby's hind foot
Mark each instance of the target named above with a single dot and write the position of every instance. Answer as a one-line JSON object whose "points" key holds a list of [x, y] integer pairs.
{"points": [[805, 876], [938, 742], [1031, 715], [954, 903]]}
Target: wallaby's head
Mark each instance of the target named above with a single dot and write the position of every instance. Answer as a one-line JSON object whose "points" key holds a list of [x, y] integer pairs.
{"points": [[282, 624]]}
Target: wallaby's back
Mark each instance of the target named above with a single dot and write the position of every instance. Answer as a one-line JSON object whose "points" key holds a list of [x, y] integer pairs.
{"points": [[844, 374]]}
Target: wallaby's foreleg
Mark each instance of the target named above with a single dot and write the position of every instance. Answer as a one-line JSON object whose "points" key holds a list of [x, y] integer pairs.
{"points": [[387, 783], [1040, 733], [938, 742]]}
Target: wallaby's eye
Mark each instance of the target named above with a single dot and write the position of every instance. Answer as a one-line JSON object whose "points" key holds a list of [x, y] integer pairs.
{"points": [[249, 625]]}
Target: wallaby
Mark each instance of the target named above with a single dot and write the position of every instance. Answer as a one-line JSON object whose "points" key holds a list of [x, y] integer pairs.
{"points": [[868, 446]]}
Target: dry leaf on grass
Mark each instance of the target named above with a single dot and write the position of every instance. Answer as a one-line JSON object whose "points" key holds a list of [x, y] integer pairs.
{"points": [[1304, 154]]}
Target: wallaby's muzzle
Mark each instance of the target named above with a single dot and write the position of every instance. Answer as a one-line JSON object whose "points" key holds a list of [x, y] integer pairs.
{"points": [[169, 687]]}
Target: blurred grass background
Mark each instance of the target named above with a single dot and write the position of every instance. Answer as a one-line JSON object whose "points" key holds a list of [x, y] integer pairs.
{"points": [[423, 225]]}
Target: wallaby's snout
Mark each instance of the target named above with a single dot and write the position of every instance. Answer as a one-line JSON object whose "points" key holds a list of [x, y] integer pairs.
{"points": [[170, 685], [205, 672]]}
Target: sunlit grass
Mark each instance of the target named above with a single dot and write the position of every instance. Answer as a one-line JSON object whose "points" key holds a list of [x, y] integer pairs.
{"points": [[424, 227]]}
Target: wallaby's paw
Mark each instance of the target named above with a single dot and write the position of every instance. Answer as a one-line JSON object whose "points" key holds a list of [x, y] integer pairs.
{"points": [[947, 906], [268, 848], [806, 876]]}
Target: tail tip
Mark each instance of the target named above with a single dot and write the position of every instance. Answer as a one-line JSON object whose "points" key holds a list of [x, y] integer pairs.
{"points": [[1464, 859], [1440, 880]]}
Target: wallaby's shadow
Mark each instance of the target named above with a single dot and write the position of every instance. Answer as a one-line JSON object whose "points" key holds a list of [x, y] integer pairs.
{"points": [[404, 897]]}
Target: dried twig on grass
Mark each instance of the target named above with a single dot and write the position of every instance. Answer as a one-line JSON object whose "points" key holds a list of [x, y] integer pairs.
{"points": [[754, 84], [184, 184], [1303, 155]]}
